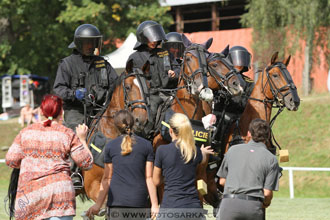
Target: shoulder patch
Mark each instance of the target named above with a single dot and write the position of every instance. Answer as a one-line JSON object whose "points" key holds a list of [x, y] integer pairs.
{"points": [[162, 54], [99, 65]]}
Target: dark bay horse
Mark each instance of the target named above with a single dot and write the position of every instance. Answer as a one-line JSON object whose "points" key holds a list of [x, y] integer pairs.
{"points": [[274, 88], [199, 72], [128, 94]]}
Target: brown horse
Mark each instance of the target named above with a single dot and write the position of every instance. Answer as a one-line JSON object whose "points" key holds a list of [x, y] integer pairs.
{"points": [[199, 73], [128, 94], [274, 88]]}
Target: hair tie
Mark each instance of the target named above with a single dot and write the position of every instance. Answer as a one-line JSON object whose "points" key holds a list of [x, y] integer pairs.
{"points": [[50, 118]]}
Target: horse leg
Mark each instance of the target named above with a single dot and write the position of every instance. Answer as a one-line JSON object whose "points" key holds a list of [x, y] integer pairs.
{"points": [[212, 196], [201, 174], [93, 178]]}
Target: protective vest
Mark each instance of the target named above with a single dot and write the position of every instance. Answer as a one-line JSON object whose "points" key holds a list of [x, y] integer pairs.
{"points": [[91, 75]]}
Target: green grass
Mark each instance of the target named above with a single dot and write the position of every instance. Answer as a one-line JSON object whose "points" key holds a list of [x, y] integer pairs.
{"points": [[305, 133]]}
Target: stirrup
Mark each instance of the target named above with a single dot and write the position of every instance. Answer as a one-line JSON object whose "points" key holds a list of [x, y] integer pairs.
{"points": [[77, 180]]}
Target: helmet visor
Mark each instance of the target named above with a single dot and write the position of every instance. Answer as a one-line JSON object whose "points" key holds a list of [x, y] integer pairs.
{"points": [[87, 46], [154, 33], [174, 48], [240, 58]]}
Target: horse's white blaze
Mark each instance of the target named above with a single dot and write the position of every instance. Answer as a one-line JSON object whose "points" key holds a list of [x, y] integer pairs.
{"points": [[136, 82]]}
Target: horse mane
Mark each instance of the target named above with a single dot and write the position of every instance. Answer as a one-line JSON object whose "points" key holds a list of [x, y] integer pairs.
{"points": [[120, 79]]}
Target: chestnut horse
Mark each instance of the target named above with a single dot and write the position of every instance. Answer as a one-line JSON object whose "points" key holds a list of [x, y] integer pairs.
{"points": [[198, 73], [128, 94], [274, 88]]}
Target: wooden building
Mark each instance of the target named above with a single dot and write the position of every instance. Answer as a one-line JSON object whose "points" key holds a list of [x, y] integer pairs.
{"points": [[205, 15]]}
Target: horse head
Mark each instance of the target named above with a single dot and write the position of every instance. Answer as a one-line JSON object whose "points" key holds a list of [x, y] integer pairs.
{"points": [[278, 84], [195, 67], [222, 74], [134, 90]]}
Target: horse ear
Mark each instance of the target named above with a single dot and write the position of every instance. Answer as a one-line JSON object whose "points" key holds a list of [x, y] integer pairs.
{"points": [[146, 67], [287, 60], [129, 66], [186, 41], [208, 43], [225, 51], [274, 58]]}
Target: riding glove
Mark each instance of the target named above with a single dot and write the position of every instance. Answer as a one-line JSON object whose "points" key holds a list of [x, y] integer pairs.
{"points": [[80, 93]]}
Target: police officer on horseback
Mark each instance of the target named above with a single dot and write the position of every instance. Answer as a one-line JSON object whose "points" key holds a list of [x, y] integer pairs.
{"points": [[84, 80], [162, 74], [241, 59], [175, 47], [229, 109]]}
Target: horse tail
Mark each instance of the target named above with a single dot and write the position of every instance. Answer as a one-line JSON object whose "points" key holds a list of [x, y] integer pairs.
{"points": [[12, 190], [83, 196]]}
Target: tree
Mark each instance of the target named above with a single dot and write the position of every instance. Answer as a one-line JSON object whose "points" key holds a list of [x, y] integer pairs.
{"points": [[281, 24], [34, 34]]}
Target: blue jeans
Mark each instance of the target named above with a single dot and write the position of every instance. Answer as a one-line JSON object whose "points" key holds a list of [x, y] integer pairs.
{"points": [[60, 218]]}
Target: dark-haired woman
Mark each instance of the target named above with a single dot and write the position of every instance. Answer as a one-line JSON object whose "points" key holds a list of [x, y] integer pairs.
{"points": [[127, 178], [41, 151]]}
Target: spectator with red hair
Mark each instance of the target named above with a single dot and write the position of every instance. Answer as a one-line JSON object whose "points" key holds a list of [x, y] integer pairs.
{"points": [[40, 155]]}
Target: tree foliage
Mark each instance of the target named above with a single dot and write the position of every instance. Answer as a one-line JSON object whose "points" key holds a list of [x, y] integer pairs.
{"points": [[280, 24], [35, 34]]}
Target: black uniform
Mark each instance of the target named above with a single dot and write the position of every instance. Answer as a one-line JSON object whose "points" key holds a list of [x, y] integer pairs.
{"points": [[160, 64], [90, 72]]}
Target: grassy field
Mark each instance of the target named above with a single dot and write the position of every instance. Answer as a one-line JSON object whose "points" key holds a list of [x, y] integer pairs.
{"points": [[305, 133]]}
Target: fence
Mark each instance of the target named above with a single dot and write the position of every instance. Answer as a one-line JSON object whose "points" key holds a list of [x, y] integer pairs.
{"points": [[291, 169]]}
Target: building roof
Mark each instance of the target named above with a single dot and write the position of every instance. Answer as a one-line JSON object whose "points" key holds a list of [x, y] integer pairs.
{"points": [[185, 2]]}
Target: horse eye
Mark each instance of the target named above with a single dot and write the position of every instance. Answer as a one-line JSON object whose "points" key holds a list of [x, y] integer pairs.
{"points": [[127, 87], [275, 75], [214, 64], [188, 59]]}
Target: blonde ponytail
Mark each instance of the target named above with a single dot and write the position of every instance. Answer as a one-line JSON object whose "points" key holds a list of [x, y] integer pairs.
{"points": [[185, 140]]}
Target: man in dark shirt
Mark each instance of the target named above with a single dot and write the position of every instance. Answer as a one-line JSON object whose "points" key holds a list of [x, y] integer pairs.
{"points": [[249, 174], [84, 79], [162, 75]]}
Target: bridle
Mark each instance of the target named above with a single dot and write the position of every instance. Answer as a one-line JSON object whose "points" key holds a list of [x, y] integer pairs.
{"points": [[276, 101], [223, 78], [200, 52], [139, 103], [277, 92]]}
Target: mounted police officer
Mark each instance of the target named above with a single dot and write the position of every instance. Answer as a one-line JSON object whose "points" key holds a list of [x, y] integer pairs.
{"points": [[162, 75], [228, 110], [84, 81], [241, 59], [174, 45]]}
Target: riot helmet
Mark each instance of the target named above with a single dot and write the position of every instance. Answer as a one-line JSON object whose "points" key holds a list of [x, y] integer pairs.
{"points": [[239, 56], [174, 44], [86, 39], [149, 31]]}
